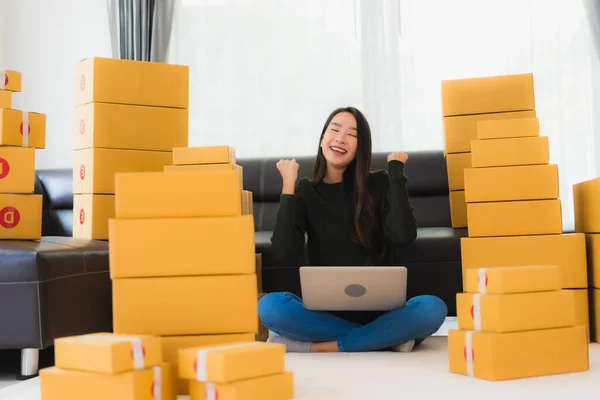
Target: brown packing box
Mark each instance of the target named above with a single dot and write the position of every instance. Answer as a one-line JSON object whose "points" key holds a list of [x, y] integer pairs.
{"points": [[204, 155], [516, 279], [488, 94], [21, 216], [17, 170], [209, 168], [514, 218], [270, 387], [117, 126], [530, 182], [459, 131], [458, 209], [593, 259], [595, 314], [263, 332], [10, 80], [581, 298], [258, 262], [12, 128], [456, 165], [586, 197], [508, 128], [111, 80], [247, 203], [567, 251], [5, 99], [510, 152], [91, 213]]}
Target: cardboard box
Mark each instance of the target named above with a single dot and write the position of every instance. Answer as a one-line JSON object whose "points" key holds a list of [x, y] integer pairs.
{"points": [[258, 262], [172, 344], [515, 312], [107, 353], [458, 209], [111, 80], [596, 314], [247, 203], [178, 194], [567, 251], [530, 182], [232, 362], [514, 218], [147, 384], [94, 169], [271, 387], [508, 128], [459, 131], [186, 305], [593, 259], [490, 94], [21, 216], [91, 213], [510, 152], [117, 126], [456, 165], [209, 168], [10, 80], [263, 333], [503, 356], [181, 247], [17, 170], [582, 307], [505, 280], [586, 197], [5, 99], [204, 155], [12, 132]]}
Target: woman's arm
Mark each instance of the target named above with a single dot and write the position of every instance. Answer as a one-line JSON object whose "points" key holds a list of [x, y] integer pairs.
{"points": [[399, 223], [287, 242]]}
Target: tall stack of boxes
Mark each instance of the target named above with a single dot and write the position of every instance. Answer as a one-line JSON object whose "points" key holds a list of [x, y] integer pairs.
{"points": [[20, 134], [128, 117], [182, 257]]}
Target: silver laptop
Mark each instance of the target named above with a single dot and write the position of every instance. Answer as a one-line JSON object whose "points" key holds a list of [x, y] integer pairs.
{"points": [[353, 288]]}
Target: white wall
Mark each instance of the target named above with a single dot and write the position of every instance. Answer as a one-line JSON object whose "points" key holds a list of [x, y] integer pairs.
{"points": [[44, 40]]}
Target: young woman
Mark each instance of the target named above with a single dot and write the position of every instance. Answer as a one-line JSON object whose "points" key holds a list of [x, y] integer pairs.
{"points": [[352, 217]]}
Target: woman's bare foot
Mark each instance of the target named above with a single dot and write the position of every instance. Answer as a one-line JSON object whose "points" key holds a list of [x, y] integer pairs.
{"points": [[324, 347]]}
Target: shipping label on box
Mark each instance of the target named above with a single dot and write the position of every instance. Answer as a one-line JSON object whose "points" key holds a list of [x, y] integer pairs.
{"points": [[492, 94], [510, 152], [151, 247], [530, 182], [10, 80], [117, 126], [204, 155], [456, 165], [515, 218], [209, 168], [94, 169], [503, 356], [459, 131], [272, 387], [586, 197], [17, 170], [110, 80], [515, 312], [13, 132], [567, 251], [186, 305], [593, 258], [20, 216], [504, 280], [91, 213], [230, 363], [508, 128], [178, 194], [458, 209], [5, 99]]}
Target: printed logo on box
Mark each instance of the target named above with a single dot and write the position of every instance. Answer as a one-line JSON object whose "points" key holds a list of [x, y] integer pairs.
{"points": [[9, 217], [28, 128], [4, 168], [82, 82], [81, 216], [82, 171], [82, 126]]}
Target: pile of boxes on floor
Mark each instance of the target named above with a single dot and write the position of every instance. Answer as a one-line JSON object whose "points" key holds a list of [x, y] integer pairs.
{"points": [[20, 134], [123, 367], [509, 201]]}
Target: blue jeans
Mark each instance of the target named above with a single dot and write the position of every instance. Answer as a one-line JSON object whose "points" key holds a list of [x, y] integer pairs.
{"points": [[284, 314]]}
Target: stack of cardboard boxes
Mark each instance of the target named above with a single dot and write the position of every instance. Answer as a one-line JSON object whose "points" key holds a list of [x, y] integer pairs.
{"points": [[20, 134], [182, 258], [128, 117]]}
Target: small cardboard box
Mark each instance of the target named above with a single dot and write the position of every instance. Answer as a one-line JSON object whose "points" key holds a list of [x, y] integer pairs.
{"points": [[514, 218], [491, 94], [508, 128], [258, 259], [593, 259], [247, 203], [181, 247], [458, 209], [107, 353], [148, 384], [263, 333], [208, 168], [12, 132], [178, 194], [111, 80], [567, 251], [91, 213], [510, 152], [503, 356], [95, 169], [186, 305], [515, 312], [118, 126], [459, 131], [456, 165], [21, 216], [10, 80], [172, 344], [5, 99], [232, 362], [586, 197], [17, 170], [505, 280], [530, 182], [204, 155], [271, 387]]}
